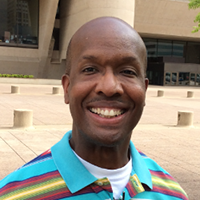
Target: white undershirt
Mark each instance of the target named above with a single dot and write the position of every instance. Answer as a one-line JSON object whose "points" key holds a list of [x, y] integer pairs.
{"points": [[117, 177]]}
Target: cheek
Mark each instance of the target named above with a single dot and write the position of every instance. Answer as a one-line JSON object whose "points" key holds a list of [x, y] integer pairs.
{"points": [[78, 92], [138, 94]]}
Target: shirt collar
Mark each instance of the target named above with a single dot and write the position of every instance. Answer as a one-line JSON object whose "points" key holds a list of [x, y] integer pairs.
{"points": [[66, 162], [140, 167], [69, 166]]}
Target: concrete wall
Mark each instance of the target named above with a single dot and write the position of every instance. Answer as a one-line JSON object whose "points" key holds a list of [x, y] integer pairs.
{"points": [[151, 18], [182, 67], [75, 13], [165, 19]]}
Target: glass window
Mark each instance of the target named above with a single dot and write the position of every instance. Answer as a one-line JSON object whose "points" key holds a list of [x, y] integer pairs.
{"points": [[164, 48], [149, 76], [197, 79], [19, 22], [184, 78], [167, 78], [151, 45], [178, 49], [193, 52], [174, 78], [192, 79]]}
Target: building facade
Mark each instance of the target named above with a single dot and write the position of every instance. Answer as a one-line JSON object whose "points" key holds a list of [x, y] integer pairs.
{"points": [[34, 35]]}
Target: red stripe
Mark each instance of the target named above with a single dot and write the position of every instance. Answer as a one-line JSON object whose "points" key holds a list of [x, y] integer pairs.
{"points": [[46, 152], [161, 175], [18, 184], [169, 192], [131, 190]]}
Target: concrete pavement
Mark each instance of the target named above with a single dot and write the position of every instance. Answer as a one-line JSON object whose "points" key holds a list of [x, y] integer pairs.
{"points": [[176, 149]]}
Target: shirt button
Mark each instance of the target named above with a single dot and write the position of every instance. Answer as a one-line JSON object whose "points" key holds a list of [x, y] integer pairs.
{"points": [[100, 183]]}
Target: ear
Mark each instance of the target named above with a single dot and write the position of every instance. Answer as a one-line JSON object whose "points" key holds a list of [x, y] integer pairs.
{"points": [[146, 83], [146, 86], [65, 84]]}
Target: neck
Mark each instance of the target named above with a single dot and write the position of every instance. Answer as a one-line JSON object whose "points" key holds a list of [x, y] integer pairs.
{"points": [[102, 156]]}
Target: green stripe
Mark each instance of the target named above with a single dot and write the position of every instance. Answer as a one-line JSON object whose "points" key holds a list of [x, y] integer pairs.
{"points": [[36, 186]]}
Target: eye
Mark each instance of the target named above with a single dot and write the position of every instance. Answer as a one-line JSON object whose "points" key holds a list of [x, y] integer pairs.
{"points": [[89, 70], [129, 72]]}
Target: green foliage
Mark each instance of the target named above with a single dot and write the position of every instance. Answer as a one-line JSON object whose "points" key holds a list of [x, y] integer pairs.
{"points": [[194, 4], [16, 75]]}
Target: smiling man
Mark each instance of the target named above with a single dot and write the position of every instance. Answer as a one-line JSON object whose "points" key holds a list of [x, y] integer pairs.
{"points": [[105, 87]]}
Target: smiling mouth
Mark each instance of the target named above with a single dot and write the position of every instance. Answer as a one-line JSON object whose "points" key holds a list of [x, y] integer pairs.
{"points": [[107, 113]]}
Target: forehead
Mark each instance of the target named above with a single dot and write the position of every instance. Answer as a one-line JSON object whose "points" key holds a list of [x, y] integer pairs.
{"points": [[107, 35]]}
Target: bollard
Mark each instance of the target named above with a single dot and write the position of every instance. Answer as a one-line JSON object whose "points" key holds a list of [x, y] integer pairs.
{"points": [[185, 118], [56, 90], [190, 94], [160, 93], [15, 89], [23, 118]]}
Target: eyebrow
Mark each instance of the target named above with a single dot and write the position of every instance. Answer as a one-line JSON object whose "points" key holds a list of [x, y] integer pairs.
{"points": [[90, 57]]}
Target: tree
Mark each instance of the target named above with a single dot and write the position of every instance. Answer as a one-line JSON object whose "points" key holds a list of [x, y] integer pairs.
{"points": [[194, 4]]}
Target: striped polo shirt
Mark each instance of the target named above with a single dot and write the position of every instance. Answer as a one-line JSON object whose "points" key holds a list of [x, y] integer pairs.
{"points": [[58, 174]]}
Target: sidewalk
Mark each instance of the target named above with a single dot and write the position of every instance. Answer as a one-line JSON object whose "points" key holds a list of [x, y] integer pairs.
{"points": [[176, 149]]}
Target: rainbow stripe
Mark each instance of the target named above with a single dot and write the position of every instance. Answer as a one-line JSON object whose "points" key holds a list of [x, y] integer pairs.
{"points": [[166, 184], [34, 187], [51, 186]]}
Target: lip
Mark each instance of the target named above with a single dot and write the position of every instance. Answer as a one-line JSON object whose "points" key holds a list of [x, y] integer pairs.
{"points": [[103, 121], [107, 105]]}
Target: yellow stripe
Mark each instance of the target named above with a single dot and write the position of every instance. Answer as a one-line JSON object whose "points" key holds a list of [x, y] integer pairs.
{"points": [[166, 183], [139, 185], [36, 190]]}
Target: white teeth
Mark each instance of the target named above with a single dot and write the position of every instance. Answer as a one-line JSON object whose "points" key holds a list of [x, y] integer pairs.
{"points": [[106, 113], [98, 110], [112, 113]]}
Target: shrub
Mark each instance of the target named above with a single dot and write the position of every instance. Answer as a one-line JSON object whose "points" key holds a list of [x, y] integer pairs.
{"points": [[16, 75]]}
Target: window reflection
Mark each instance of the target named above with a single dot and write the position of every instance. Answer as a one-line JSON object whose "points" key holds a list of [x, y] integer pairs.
{"points": [[151, 45], [174, 78], [164, 48], [192, 79], [167, 78], [184, 78], [18, 22], [198, 79], [178, 49]]}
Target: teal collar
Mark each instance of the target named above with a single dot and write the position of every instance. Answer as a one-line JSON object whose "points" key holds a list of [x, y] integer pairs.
{"points": [[76, 176]]}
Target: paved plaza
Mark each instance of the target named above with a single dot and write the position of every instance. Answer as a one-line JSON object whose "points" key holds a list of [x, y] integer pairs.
{"points": [[176, 149]]}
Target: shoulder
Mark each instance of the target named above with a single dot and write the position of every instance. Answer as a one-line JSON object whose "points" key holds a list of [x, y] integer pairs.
{"points": [[163, 183], [36, 173]]}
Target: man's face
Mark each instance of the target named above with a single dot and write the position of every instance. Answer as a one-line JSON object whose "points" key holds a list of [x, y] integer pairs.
{"points": [[106, 87]]}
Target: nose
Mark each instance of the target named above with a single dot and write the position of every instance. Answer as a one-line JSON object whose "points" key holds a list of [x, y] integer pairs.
{"points": [[108, 84]]}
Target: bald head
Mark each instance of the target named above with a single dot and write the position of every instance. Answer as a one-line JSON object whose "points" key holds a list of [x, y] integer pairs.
{"points": [[102, 29]]}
